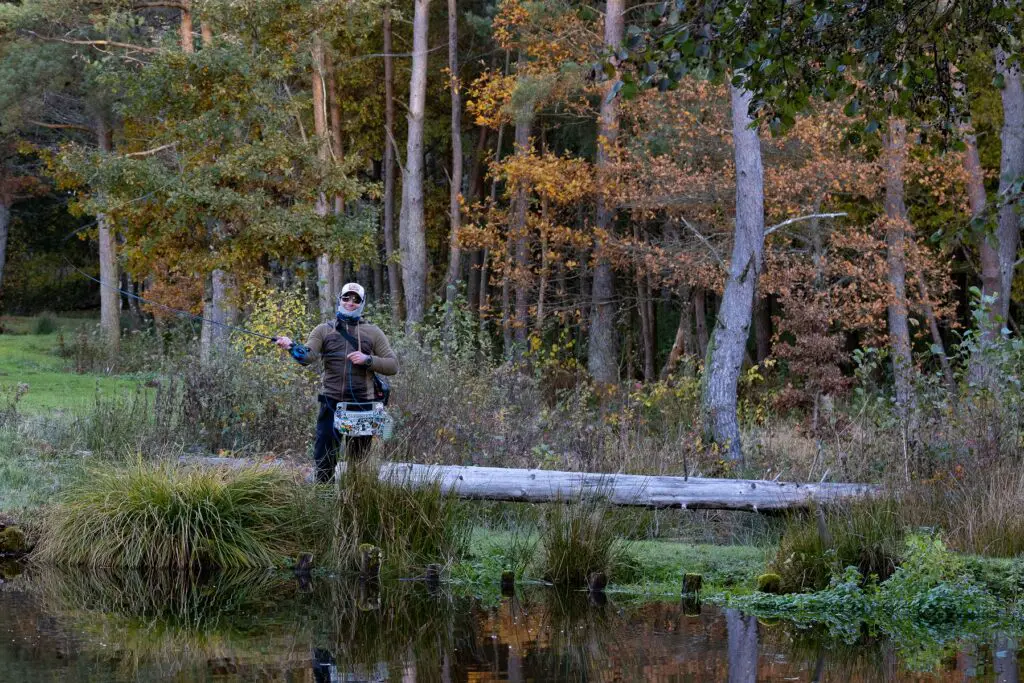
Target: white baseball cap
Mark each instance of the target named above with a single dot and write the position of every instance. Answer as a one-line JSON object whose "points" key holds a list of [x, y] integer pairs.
{"points": [[355, 288]]}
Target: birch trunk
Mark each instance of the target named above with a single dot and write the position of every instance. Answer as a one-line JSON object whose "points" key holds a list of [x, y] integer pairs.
{"points": [[394, 269], [1011, 167], [895, 239], [602, 349], [110, 300], [732, 327], [455, 190], [412, 228]]}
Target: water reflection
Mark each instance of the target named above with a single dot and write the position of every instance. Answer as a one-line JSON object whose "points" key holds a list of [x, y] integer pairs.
{"points": [[268, 626]]}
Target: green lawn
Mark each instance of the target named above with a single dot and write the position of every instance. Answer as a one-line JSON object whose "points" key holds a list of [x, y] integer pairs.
{"points": [[32, 359]]}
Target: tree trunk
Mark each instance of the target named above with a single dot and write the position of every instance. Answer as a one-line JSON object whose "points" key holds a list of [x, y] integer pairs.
{"points": [[732, 326], [218, 310], [602, 350], [684, 341], [700, 317], [5, 223], [895, 239], [455, 189], [1011, 167], [187, 46], [506, 305], [987, 245], [110, 300], [325, 272], [411, 231], [521, 276], [394, 268], [646, 328], [933, 328], [334, 112], [762, 327]]}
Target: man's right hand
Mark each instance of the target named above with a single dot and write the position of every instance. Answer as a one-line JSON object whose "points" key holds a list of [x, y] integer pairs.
{"points": [[284, 342]]}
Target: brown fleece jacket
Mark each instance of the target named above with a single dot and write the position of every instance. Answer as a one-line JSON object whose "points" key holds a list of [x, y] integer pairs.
{"points": [[327, 344]]}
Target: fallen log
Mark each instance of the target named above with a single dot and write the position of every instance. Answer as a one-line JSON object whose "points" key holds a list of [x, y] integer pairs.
{"points": [[692, 493], [649, 491]]}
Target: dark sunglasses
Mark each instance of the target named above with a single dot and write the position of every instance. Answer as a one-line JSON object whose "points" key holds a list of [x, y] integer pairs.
{"points": [[351, 297]]}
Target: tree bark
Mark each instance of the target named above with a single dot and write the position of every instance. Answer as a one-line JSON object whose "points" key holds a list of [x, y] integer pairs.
{"points": [[110, 299], [326, 278], [5, 224], [455, 189], [518, 233], [218, 310], [602, 349], [394, 268], [732, 326], [334, 111], [412, 229], [187, 46], [895, 239], [1011, 167]]}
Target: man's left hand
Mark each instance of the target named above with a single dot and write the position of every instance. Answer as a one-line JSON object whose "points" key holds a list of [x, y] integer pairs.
{"points": [[358, 358]]}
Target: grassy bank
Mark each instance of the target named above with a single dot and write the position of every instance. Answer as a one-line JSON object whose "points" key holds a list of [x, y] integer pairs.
{"points": [[30, 358]]}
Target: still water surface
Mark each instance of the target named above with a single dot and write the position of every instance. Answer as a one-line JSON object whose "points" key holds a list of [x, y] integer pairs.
{"points": [[259, 627]]}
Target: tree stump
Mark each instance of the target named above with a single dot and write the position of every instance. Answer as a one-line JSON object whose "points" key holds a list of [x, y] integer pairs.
{"points": [[370, 557], [692, 584], [508, 582]]}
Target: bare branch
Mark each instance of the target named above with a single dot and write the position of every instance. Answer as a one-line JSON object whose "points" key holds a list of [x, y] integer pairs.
{"points": [[790, 221], [61, 126], [96, 43], [714, 252], [148, 152]]}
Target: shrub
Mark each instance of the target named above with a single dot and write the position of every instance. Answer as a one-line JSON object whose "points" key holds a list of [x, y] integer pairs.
{"points": [[163, 516]]}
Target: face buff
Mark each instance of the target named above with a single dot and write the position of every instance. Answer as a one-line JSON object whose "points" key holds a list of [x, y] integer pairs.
{"points": [[354, 315]]}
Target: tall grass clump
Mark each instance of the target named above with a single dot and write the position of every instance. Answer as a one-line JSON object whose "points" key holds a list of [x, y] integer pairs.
{"points": [[579, 538], [45, 323], [412, 526], [868, 534], [163, 516]]}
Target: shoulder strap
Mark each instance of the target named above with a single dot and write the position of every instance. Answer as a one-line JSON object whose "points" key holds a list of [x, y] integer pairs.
{"points": [[348, 337]]}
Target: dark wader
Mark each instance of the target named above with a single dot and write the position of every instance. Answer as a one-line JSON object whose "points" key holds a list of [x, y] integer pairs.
{"points": [[325, 451]]}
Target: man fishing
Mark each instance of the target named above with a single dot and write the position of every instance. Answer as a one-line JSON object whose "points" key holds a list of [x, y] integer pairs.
{"points": [[352, 350]]}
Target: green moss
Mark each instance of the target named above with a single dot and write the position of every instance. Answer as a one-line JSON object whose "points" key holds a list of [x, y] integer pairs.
{"points": [[12, 540], [769, 583]]}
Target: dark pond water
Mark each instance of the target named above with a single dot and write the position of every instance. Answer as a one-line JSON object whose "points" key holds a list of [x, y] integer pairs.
{"points": [[258, 627]]}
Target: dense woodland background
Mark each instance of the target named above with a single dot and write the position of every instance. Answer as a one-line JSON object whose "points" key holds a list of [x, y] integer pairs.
{"points": [[611, 191]]}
